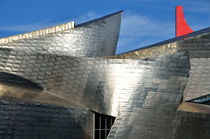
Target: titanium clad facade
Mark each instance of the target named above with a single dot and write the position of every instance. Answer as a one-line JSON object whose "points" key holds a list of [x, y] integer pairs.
{"points": [[97, 83], [53, 81], [160, 122], [93, 39], [32, 120], [198, 47]]}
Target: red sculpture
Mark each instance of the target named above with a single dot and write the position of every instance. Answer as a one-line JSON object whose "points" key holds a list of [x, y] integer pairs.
{"points": [[182, 27]]}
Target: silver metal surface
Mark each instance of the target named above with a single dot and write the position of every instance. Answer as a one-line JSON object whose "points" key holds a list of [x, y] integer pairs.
{"points": [[199, 50], [92, 39], [88, 80], [142, 89], [33, 120]]}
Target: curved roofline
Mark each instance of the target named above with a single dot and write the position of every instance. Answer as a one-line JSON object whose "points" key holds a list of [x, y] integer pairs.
{"points": [[53, 29], [37, 33], [98, 19], [199, 32]]}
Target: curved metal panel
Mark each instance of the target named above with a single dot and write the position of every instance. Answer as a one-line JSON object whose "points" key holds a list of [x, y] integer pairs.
{"points": [[33, 120], [199, 50], [143, 94], [160, 121], [137, 52], [17, 80], [93, 39], [38, 33], [97, 83]]}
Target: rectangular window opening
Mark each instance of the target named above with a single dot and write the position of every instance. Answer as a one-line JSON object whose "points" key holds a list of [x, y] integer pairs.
{"points": [[103, 124]]}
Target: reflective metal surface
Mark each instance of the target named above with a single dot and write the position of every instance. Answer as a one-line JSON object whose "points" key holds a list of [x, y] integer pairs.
{"points": [[198, 48], [88, 80], [92, 39], [31, 120], [38, 33], [64, 72]]}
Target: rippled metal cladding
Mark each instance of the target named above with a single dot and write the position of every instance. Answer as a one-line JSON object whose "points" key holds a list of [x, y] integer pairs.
{"points": [[69, 71]]}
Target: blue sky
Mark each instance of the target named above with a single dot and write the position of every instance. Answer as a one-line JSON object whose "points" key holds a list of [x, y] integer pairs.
{"points": [[144, 22]]}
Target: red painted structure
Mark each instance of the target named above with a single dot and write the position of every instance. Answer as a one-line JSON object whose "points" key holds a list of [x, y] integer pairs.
{"points": [[182, 27]]}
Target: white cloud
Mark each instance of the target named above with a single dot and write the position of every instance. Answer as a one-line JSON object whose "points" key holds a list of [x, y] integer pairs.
{"points": [[138, 31], [31, 27], [198, 6], [199, 9], [138, 25], [46, 24], [87, 17], [134, 28], [26, 27]]}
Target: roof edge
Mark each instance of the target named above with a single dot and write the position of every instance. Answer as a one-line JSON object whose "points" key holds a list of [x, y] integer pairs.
{"points": [[195, 33], [53, 29], [38, 33], [98, 19]]}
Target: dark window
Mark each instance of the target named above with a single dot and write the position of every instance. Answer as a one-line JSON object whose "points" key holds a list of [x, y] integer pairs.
{"points": [[103, 124], [202, 100]]}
